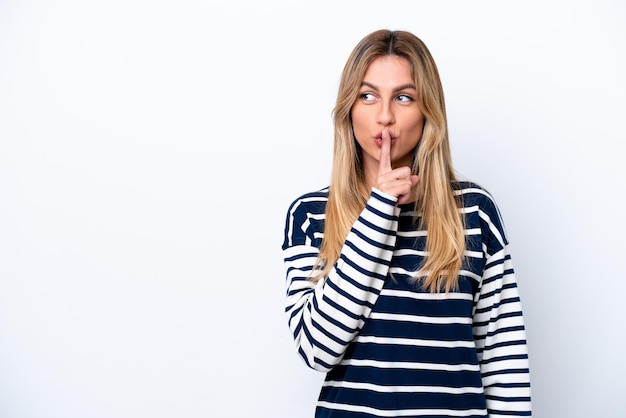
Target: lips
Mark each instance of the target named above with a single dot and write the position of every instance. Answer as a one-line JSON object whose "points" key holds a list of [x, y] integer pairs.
{"points": [[379, 139]]}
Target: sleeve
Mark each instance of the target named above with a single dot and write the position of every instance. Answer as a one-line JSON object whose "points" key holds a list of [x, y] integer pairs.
{"points": [[498, 324], [324, 317]]}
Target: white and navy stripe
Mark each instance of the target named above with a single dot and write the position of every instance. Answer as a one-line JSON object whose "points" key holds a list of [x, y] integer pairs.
{"points": [[391, 349]]}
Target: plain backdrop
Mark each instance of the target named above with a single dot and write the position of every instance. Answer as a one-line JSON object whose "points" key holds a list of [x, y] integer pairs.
{"points": [[149, 151]]}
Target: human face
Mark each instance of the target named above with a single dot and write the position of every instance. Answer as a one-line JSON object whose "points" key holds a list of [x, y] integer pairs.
{"points": [[387, 100]]}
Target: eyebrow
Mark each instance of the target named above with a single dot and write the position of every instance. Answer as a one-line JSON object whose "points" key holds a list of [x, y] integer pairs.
{"points": [[399, 88]]}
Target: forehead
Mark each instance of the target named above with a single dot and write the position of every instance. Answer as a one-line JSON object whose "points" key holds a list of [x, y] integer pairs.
{"points": [[389, 70]]}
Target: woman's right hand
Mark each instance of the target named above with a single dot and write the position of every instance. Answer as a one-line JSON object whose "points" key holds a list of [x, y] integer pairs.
{"points": [[398, 182]]}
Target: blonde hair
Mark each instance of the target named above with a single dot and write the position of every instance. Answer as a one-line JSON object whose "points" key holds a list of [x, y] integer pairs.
{"points": [[436, 201]]}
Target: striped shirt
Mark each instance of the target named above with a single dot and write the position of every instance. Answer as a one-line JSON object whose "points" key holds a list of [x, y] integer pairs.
{"points": [[390, 348]]}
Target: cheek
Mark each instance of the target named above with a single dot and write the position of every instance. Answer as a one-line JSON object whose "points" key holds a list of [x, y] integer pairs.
{"points": [[418, 125], [359, 123], [358, 117]]}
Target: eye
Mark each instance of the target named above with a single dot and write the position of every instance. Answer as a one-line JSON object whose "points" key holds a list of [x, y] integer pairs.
{"points": [[367, 97], [405, 98]]}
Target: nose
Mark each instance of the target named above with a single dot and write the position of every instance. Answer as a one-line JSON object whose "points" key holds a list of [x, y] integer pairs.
{"points": [[385, 114]]}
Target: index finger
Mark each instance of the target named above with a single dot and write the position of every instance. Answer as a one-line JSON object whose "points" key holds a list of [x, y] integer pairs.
{"points": [[384, 165]]}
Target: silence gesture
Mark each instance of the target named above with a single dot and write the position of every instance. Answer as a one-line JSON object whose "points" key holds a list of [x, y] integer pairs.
{"points": [[397, 182]]}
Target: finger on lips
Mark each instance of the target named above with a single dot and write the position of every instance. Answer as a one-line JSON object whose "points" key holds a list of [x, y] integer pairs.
{"points": [[399, 181], [385, 153]]}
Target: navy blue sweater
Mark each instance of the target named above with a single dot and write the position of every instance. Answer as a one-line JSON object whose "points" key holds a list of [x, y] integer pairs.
{"points": [[390, 348]]}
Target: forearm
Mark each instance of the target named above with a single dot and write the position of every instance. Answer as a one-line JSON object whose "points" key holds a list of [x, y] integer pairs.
{"points": [[324, 317], [501, 341]]}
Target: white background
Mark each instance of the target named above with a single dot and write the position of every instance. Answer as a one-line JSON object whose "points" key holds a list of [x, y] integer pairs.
{"points": [[149, 151]]}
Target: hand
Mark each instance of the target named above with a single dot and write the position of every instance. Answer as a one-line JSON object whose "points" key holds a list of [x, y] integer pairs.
{"points": [[397, 182]]}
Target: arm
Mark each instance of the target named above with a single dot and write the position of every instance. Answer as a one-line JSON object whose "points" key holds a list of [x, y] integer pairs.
{"points": [[324, 317], [499, 325]]}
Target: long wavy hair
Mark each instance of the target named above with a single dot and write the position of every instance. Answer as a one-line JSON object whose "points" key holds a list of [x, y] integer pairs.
{"points": [[436, 200]]}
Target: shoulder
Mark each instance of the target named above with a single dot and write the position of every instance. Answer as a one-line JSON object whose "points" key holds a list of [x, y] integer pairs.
{"points": [[472, 194], [304, 222], [311, 202], [481, 211]]}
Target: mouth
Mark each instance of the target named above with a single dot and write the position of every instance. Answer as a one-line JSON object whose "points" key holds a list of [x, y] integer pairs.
{"points": [[378, 139]]}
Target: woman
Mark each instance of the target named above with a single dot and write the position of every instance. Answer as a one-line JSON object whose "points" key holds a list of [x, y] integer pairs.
{"points": [[399, 280]]}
